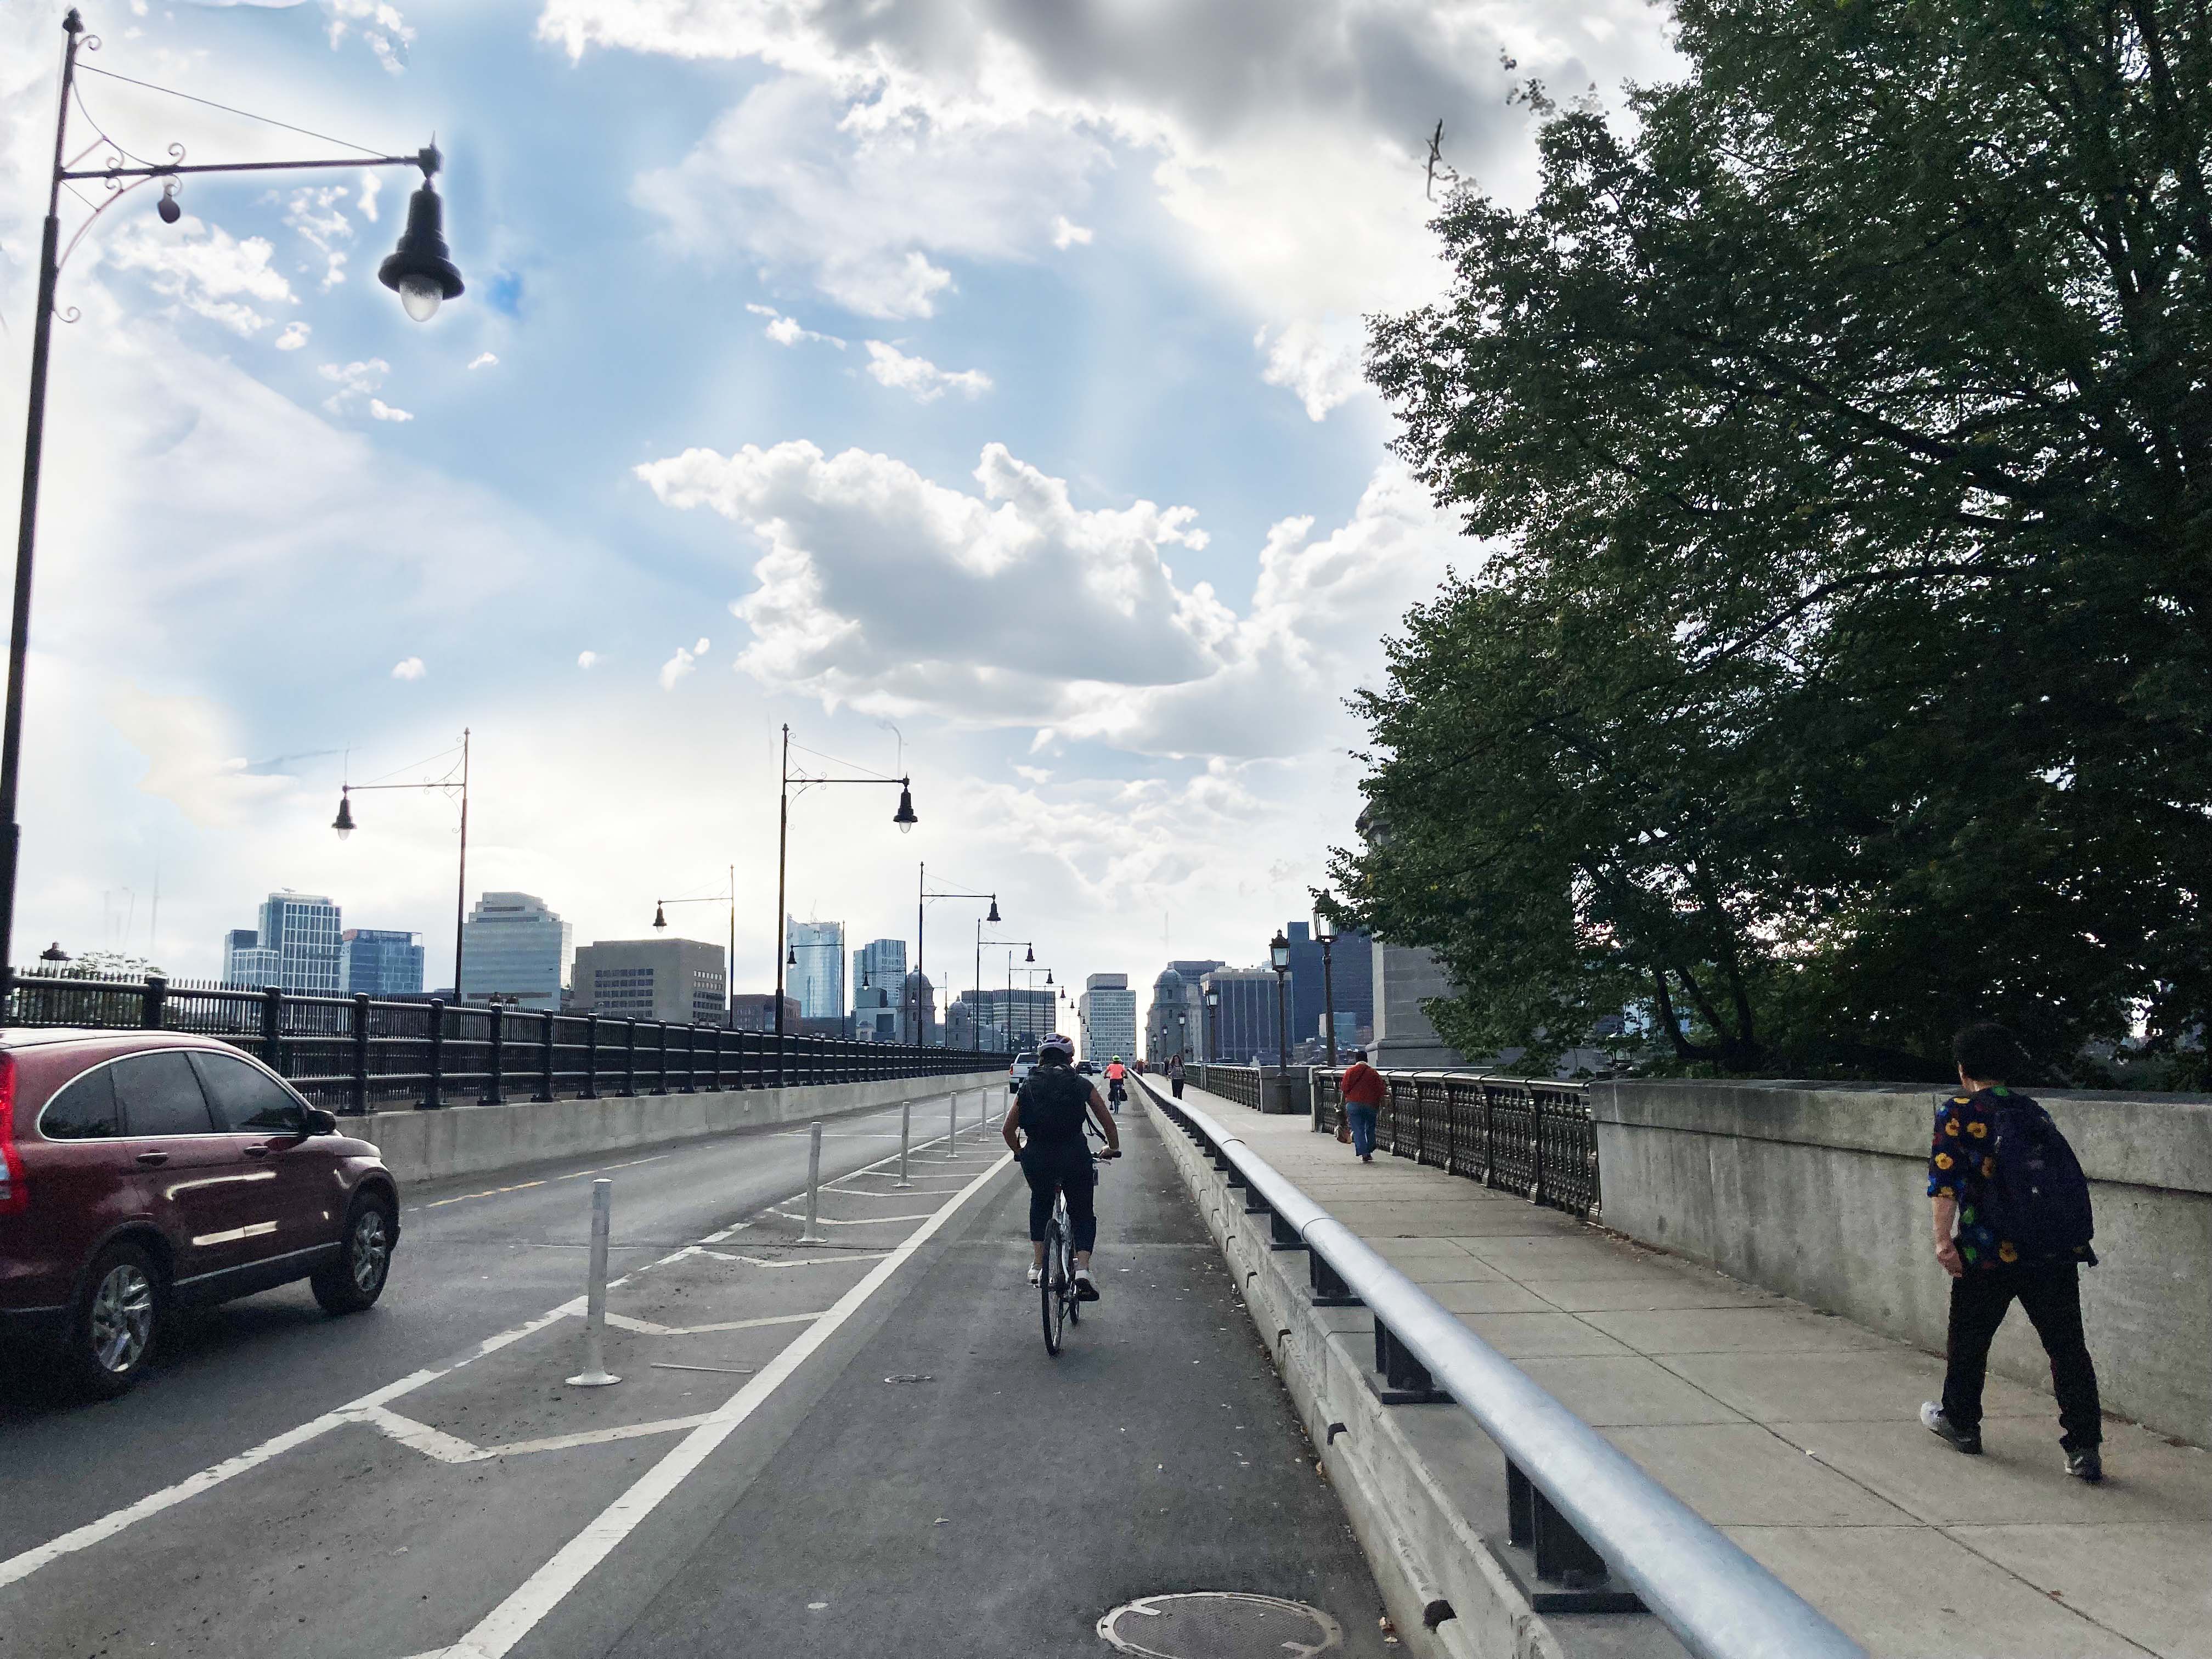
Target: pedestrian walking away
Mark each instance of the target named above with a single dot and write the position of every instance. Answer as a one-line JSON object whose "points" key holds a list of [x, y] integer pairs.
{"points": [[1361, 1088], [2012, 1217]]}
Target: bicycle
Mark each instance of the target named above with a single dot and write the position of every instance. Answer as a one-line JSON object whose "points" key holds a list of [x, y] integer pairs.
{"points": [[1057, 1285], [1117, 1093]]}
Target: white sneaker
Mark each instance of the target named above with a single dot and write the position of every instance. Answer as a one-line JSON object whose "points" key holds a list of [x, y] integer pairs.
{"points": [[1037, 1276], [1086, 1288]]}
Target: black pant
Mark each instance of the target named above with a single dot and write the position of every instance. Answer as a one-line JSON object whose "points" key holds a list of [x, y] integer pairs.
{"points": [[1054, 1169], [1176, 1083], [2051, 1291]]}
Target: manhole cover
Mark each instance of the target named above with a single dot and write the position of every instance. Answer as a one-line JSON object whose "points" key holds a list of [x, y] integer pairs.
{"points": [[1220, 1625]]}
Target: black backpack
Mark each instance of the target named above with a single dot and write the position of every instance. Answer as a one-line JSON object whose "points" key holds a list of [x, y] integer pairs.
{"points": [[1053, 1101], [2037, 1197]]}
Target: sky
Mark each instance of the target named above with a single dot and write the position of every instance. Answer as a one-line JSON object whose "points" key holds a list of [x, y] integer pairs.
{"points": [[971, 385]]}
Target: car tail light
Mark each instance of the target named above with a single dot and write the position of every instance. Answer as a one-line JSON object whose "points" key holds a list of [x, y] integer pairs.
{"points": [[15, 1195]]}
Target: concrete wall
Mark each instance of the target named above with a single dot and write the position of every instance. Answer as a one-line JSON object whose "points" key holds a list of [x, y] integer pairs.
{"points": [[1819, 1191], [470, 1139], [1405, 976]]}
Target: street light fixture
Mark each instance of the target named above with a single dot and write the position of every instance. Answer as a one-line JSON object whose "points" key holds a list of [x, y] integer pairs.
{"points": [[923, 896], [344, 825], [419, 270], [729, 991], [980, 943], [1278, 953], [1324, 927], [904, 818], [1213, 1025]]}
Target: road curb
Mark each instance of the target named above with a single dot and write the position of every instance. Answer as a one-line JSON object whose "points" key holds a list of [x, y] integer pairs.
{"points": [[1416, 1538]]}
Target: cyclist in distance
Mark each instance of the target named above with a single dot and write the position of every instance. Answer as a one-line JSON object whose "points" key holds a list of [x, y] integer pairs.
{"points": [[1044, 1131], [1117, 1089]]}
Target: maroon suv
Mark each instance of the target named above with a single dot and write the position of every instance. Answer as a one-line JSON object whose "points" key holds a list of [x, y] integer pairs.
{"points": [[140, 1171]]}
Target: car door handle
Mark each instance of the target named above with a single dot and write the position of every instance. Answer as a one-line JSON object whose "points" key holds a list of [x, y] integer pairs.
{"points": [[255, 1152], [151, 1159]]}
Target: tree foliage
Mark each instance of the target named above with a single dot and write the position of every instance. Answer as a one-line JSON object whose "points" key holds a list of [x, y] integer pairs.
{"points": [[1843, 671]]}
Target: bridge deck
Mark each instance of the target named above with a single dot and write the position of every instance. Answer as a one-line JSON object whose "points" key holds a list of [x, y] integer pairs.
{"points": [[1797, 1432]]}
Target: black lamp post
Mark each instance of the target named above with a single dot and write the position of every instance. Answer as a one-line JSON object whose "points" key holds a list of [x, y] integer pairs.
{"points": [[1325, 935], [920, 908], [344, 825], [1278, 953], [1213, 1024], [904, 818], [418, 270], [1029, 953], [729, 990]]}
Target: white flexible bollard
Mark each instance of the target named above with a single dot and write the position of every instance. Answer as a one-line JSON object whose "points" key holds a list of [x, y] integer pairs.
{"points": [[595, 1374], [952, 1124], [813, 1233], [905, 1137]]}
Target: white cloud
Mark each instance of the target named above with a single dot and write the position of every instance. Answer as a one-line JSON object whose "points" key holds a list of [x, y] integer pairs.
{"points": [[316, 212], [203, 269], [385, 31], [410, 668], [788, 330], [677, 666], [1321, 366], [1066, 233], [372, 185], [921, 377], [882, 589], [587, 659], [484, 360], [357, 382], [294, 337], [191, 760]]}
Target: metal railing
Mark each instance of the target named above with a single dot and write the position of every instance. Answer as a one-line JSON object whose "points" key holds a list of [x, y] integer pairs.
{"points": [[1248, 1086], [1528, 1135], [354, 1053], [1575, 1500]]}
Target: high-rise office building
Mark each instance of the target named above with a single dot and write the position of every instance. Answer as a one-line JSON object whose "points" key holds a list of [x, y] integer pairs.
{"points": [[680, 980], [1016, 1018], [1192, 972], [1351, 978], [1107, 1021], [246, 963], [755, 1010], [515, 948], [879, 962], [379, 961], [817, 974], [1241, 1029], [875, 1012], [300, 932]]}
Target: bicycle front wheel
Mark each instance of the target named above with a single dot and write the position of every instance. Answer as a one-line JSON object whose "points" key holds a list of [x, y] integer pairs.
{"points": [[1048, 1288]]}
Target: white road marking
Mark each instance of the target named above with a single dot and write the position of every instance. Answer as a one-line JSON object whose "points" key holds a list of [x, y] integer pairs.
{"points": [[545, 1589], [801, 1261], [646, 1328], [422, 1437], [864, 1221], [24, 1563], [452, 1449]]}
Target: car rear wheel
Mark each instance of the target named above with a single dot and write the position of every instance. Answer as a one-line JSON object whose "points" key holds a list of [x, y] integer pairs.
{"points": [[355, 1279], [112, 1331]]}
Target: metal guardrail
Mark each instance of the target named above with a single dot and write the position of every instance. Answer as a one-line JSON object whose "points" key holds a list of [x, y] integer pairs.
{"points": [[1527, 1135], [354, 1053], [1576, 1498], [1252, 1085]]}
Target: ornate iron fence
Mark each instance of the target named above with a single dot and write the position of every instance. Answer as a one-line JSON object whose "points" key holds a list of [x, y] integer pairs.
{"points": [[354, 1054], [1250, 1085], [1526, 1135]]}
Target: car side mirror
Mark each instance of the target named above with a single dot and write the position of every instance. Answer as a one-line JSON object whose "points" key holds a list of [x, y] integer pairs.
{"points": [[320, 1123]]}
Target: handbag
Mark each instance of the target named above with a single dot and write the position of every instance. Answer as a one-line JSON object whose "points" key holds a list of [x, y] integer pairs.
{"points": [[1344, 1133]]}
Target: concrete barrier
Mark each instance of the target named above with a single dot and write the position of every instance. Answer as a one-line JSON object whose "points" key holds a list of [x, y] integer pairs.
{"points": [[1819, 1191], [471, 1139]]}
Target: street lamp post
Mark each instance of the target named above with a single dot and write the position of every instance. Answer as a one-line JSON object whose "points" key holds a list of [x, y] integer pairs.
{"points": [[904, 818], [344, 824], [1213, 1025], [920, 908], [1278, 953], [1325, 935], [729, 988], [1029, 951], [419, 270]]}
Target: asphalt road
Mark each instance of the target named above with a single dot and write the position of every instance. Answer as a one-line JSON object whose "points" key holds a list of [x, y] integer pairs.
{"points": [[759, 1483]]}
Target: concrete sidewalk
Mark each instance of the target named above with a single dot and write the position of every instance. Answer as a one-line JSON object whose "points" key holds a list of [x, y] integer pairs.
{"points": [[1794, 1431]]}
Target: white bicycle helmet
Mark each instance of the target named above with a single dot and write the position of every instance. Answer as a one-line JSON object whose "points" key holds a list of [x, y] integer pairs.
{"points": [[1066, 1045]]}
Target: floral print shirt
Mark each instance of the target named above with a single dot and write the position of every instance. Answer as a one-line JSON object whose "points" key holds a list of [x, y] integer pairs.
{"points": [[1961, 1158]]}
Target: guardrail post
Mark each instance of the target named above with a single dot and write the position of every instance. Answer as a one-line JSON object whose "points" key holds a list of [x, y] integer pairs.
{"points": [[157, 994], [1535, 1148], [591, 1057], [1281, 1236], [357, 1105], [718, 1060], [494, 1080], [432, 1095], [1329, 1290], [660, 1079], [545, 1056], [1406, 1381], [630, 1059], [272, 1029], [691, 1058], [1563, 1555]]}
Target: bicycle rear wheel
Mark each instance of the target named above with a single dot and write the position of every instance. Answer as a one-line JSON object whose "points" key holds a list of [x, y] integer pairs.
{"points": [[1050, 1290]]}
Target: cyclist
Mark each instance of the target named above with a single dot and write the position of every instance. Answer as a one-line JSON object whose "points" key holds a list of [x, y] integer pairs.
{"points": [[1116, 1090], [1048, 1117]]}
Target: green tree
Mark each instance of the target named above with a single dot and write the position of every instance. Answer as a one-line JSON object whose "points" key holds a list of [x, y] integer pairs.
{"points": [[1845, 429]]}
